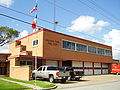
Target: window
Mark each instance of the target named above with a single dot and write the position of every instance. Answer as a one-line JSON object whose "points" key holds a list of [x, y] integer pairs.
{"points": [[52, 68], [85, 48], [39, 69], [68, 45], [92, 49], [25, 62], [35, 42], [108, 52], [100, 51], [81, 48]]}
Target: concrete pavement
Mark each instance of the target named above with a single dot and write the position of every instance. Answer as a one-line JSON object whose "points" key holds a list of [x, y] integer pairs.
{"points": [[89, 80]]}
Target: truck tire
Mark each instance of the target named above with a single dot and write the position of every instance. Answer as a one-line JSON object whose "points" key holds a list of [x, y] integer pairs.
{"points": [[33, 76], [51, 78], [77, 79], [63, 80]]}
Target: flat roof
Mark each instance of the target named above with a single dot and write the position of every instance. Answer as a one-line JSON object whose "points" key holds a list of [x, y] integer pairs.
{"points": [[61, 34]]}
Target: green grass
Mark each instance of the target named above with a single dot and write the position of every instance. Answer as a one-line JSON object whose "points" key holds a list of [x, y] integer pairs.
{"points": [[43, 84], [4, 85]]}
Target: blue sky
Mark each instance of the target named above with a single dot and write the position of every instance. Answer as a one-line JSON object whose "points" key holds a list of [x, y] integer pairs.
{"points": [[77, 16]]}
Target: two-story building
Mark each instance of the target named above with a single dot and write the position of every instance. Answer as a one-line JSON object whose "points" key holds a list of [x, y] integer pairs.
{"points": [[58, 49]]}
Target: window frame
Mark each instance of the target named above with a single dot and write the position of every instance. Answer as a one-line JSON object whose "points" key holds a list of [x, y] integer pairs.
{"points": [[35, 44], [87, 46], [26, 62]]}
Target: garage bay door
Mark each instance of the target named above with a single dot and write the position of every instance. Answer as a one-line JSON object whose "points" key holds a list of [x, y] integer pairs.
{"points": [[88, 68], [97, 68], [77, 65], [105, 68], [51, 63]]}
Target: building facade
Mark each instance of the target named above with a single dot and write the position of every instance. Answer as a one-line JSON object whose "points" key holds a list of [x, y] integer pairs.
{"points": [[4, 64], [57, 49]]}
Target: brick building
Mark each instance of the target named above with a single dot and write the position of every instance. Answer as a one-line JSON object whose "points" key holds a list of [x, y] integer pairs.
{"points": [[57, 49], [4, 63]]}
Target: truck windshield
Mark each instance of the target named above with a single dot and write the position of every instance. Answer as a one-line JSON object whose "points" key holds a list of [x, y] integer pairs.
{"points": [[52, 68]]}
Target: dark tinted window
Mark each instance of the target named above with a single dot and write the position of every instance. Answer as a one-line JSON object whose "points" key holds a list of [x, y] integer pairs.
{"points": [[52, 68]]}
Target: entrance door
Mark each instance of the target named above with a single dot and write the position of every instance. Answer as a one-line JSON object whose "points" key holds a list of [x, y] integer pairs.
{"points": [[0, 70], [67, 63]]}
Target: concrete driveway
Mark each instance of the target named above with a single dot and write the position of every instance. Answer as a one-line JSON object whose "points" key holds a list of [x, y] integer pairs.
{"points": [[89, 80]]}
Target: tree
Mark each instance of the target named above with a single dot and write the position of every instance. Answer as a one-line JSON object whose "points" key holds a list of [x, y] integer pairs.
{"points": [[7, 35]]}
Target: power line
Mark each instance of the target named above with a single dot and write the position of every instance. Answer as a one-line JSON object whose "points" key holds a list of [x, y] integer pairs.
{"points": [[50, 22], [98, 11], [42, 27], [105, 11], [18, 19], [76, 13], [64, 8], [25, 14]]}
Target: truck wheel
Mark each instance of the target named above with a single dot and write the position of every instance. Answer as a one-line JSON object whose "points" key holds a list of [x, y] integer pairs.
{"points": [[77, 79], [33, 76], [69, 78], [63, 80], [51, 79]]}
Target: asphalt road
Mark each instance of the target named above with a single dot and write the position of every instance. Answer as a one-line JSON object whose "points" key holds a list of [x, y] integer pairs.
{"points": [[104, 86]]}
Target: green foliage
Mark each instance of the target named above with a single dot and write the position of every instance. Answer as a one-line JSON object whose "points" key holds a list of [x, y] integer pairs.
{"points": [[4, 85], [7, 35], [42, 84]]}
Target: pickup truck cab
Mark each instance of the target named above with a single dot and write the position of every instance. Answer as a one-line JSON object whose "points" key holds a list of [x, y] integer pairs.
{"points": [[51, 72]]}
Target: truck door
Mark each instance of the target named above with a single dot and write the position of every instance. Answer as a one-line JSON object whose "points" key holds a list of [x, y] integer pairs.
{"points": [[45, 74], [39, 73]]}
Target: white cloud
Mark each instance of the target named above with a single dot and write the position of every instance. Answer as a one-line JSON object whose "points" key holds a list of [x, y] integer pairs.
{"points": [[113, 39], [87, 24], [4, 49], [23, 33], [7, 3]]}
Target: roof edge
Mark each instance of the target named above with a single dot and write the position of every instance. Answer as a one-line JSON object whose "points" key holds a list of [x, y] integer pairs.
{"points": [[43, 29]]}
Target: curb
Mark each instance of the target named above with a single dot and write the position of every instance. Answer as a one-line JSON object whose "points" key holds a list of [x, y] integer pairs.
{"points": [[49, 88]]}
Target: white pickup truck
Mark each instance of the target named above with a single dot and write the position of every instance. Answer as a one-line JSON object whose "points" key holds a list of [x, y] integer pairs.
{"points": [[51, 72]]}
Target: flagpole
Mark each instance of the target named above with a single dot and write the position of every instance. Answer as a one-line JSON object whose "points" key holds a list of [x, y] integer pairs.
{"points": [[54, 28], [36, 37]]}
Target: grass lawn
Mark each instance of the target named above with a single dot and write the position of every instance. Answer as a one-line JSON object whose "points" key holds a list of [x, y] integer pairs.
{"points": [[43, 84], [4, 85]]}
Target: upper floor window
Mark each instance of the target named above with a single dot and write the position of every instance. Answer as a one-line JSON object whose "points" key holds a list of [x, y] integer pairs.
{"points": [[35, 42], [92, 49], [108, 52], [85, 48], [100, 51], [81, 48], [68, 45]]}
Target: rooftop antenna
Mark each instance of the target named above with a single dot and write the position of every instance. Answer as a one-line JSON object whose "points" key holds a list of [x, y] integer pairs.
{"points": [[55, 22]]}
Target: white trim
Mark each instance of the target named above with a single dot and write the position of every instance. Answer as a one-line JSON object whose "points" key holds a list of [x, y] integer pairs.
{"points": [[35, 45]]}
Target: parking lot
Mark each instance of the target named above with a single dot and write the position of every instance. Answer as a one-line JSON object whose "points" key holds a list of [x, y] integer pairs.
{"points": [[89, 80]]}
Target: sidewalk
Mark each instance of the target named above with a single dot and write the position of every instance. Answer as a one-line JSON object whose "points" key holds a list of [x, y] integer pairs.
{"points": [[24, 84]]}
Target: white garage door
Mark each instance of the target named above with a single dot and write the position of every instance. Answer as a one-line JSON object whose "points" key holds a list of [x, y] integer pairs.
{"points": [[87, 70], [51, 63], [105, 71], [105, 65], [97, 68], [105, 68], [77, 64]]}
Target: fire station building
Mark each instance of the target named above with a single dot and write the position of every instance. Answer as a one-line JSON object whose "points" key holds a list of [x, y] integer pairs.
{"points": [[57, 49]]}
